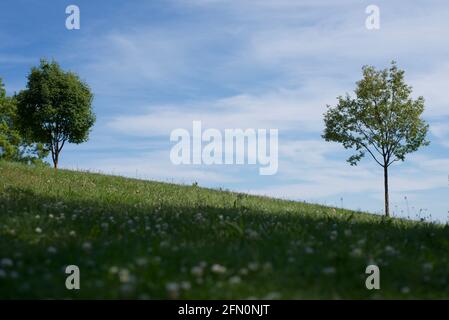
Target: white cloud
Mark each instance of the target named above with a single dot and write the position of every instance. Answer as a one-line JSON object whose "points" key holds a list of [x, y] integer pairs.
{"points": [[120, 61], [439, 129], [433, 85], [299, 110]]}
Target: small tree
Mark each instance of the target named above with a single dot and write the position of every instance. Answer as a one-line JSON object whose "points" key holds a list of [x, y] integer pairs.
{"points": [[383, 120], [55, 108], [13, 146]]}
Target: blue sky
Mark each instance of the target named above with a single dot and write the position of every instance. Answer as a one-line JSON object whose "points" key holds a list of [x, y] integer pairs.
{"points": [[157, 65]]}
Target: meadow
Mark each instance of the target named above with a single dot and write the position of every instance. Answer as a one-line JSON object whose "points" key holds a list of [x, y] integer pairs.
{"points": [[136, 239]]}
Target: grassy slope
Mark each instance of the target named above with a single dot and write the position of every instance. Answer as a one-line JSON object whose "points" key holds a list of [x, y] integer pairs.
{"points": [[132, 238]]}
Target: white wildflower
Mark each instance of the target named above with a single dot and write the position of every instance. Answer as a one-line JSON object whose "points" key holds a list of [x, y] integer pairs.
{"points": [[308, 250], [113, 269], [333, 235], [252, 234], [273, 296], [6, 262], [243, 271], [356, 252], [87, 245], [124, 275], [267, 266], [253, 266], [172, 289], [51, 249], [216, 268], [427, 266], [390, 250], [329, 270], [141, 261], [197, 271], [165, 244], [185, 285], [234, 280]]}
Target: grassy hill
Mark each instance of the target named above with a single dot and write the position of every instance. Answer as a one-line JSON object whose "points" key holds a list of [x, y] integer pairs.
{"points": [[139, 239]]}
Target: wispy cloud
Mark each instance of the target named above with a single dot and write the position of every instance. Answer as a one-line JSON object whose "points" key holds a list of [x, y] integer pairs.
{"points": [[298, 110]]}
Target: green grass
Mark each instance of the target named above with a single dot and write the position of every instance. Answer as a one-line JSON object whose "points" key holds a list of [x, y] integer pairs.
{"points": [[140, 239]]}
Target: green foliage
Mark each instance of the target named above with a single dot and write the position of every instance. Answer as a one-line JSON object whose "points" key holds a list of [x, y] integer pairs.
{"points": [[131, 238], [55, 108], [382, 120], [13, 146]]}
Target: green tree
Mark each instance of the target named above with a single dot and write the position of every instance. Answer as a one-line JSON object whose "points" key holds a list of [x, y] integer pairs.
{"points": [[55, 108], [13, 146], [382, 120]]}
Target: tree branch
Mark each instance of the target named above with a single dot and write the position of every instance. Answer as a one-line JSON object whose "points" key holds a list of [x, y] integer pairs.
{"points": [[372, 155]]}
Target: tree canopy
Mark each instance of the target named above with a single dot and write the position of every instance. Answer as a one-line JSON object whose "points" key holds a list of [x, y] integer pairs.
{"points": [[13, 145], [55, 108], [383, 120]]}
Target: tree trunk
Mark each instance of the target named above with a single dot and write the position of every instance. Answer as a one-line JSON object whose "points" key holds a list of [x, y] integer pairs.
{"points": [[55, 154], [387, 202], [55, 161]]}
